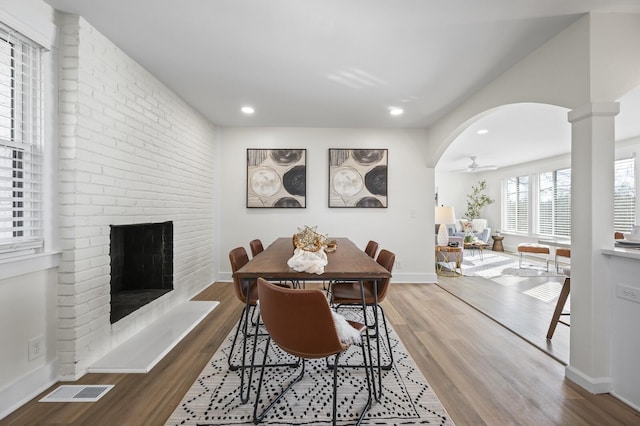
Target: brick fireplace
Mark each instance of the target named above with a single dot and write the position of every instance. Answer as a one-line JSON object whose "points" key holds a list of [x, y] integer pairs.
{"points": [[141, 265], [131, 155]]}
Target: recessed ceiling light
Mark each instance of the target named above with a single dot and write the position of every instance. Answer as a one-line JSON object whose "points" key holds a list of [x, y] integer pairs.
{"points": [[483, 131], [396, 111], [247, 110]]}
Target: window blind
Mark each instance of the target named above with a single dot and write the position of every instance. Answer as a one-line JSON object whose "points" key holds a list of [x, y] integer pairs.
{"points": [[554, 203], [20, 142], [516, 205], [624, 196]]}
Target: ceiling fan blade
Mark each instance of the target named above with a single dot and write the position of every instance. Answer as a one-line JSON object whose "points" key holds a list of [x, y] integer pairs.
{"points": [[476, 169], [486, 168]]}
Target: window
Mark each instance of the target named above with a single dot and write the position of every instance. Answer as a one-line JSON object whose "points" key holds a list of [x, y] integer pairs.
{"points": [[624, 196], [554, 203], [516, 205], [20, 143], [552, 196]]}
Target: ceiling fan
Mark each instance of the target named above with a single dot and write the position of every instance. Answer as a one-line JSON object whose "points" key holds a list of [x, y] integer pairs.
{"points": [[475, 167]]}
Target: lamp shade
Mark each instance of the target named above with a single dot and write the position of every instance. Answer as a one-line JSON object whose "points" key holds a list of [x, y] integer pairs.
{"points": [[445, 215]]}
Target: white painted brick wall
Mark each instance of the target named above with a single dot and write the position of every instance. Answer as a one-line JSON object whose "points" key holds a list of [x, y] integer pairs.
{"points": [[131, 151]]}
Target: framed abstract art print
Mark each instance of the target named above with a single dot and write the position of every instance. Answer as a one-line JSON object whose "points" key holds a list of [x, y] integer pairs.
{"points": [[276, 178], [358, 178]]}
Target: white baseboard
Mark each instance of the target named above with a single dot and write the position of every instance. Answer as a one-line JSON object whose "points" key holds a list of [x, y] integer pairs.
{"points": [[626, 401], [28, 387], [593, 385]]}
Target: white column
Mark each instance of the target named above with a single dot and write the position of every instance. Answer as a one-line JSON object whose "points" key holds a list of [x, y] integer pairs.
{"points": [[592, 180]]}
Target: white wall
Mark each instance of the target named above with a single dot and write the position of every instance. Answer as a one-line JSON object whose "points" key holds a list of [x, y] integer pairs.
{"points": [[28, 283], [408, 188], [454, 187]]}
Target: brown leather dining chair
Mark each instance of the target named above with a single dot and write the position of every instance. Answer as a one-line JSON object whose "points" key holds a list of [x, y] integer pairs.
{"points": [[300, 323], [248, 295], [371, 249], [256, 247], [349, 294]]}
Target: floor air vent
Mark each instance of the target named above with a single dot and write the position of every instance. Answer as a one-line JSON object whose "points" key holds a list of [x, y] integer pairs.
{"points": [[77, 393]]}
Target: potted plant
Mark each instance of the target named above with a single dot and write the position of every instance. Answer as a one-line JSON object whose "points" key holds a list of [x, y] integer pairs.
{"points": [[477, 199]]}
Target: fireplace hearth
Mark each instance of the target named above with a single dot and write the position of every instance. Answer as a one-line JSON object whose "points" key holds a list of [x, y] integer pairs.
{"points": [[141, 265]]}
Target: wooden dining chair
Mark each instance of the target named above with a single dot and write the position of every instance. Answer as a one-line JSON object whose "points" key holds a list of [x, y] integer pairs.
{"points": [[300, 323], [560, 304], [349, 294], [256, 247], [371, 249], [561, 252]]}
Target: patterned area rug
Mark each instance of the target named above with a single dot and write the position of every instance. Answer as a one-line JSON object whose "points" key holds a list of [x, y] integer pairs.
{"points": [[492, 264], [407, 397]]}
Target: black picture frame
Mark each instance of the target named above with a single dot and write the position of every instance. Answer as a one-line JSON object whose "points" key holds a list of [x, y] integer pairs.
{"points": [[276, 178], [358, 178]]}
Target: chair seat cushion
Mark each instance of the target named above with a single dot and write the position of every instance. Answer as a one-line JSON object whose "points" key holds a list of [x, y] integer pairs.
{"points": [[533, 248]]}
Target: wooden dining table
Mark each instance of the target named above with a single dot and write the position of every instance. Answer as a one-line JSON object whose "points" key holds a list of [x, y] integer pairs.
{"points": [[346, 263]]}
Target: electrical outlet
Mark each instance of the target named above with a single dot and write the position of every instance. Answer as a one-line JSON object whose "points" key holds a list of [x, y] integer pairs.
{"points": [[36, 347], [628, 293], [398, 264]]}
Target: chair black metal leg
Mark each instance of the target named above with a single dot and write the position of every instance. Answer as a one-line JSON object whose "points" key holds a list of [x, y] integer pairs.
{"points": [[367, 372], [245, 327], [374, 335], [257, 418], [233, 345], [335, 390], [386, 330]]}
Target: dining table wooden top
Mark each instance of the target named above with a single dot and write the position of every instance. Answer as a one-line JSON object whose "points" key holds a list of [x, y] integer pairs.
{"points": [[347, 262]]}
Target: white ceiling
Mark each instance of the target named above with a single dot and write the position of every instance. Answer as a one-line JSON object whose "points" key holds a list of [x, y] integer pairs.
{"points": [[342, 63]]}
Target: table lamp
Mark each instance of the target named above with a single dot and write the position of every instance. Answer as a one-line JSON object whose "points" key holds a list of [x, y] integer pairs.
{"points": [[444, 216]]}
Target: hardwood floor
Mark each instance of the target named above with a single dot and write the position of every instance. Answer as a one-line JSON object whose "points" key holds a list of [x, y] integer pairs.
{"points": [[524, 305], [482, 373]]}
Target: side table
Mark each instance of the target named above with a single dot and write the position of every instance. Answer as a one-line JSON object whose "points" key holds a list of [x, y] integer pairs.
{"points": [[451, 257], [497, 242], [478, 245]]}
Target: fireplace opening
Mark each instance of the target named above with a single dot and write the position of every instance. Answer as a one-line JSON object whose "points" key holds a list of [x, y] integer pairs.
{"points": [[141, 265]]}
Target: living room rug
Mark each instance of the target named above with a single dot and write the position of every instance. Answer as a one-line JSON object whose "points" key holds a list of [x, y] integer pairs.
{"points": [[492, 264], [407, 398]]}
